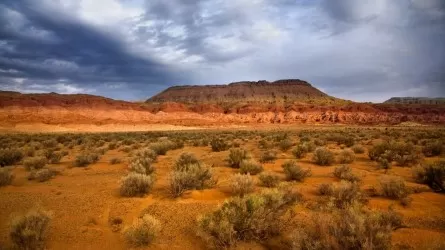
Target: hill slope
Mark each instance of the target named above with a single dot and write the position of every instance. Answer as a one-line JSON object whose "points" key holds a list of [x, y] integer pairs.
{"points": [[284, 101], [258, 92]]}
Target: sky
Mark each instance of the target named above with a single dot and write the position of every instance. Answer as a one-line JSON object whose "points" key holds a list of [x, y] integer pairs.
{"points": [[362, 50]]}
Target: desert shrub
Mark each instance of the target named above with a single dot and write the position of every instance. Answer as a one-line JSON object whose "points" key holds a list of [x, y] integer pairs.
{"points": [[285, 144], [352, 228], [300, 151], [346, 156], [344, 172], [433, 148], [268, 156], [135, 184], [143, 231], [141, 166], [41, 175], [236, 156], [325, 189], [358, 149], [28, 231], [319, 142], [85, 159], [343, 194], [112, 145], [34, 162], [393, 187], [252, 217], [432, 175], [218, 145], [250, 166], [294, 172], [269, 179], [55, 157], [190, 176], [161, 148], [323, 157], [241, 184], [10, 156], [6, 176], [403, 153], [114, 161], [184, 160], [28, 151]]}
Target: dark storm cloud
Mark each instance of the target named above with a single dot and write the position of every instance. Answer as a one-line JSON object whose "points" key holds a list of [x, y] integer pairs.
{"points": [[71, 51], [360, 50]]}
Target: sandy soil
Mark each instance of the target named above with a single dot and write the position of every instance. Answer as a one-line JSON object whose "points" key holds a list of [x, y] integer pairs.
{"points": [[84, 200]]}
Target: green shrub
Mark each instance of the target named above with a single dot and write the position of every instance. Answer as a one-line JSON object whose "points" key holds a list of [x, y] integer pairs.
{"points": [[403, 153], [190, 176], [253, 217], [346, 156], [28, 231], [34, 162], [135, 184], [352, 228], [393, 187], [268, 156], [358, 149], [218, 145], [241, 184], [285, 144], [323, 157], [86, 159], [250, 166], [344, 172], [236, 156], [269, 179], [432, 175], [10, 156], [143, 232], [294, 172], [6, 176]]}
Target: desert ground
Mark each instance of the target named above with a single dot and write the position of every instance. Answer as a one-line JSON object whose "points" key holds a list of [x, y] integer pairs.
{"points": [[377, 172]]}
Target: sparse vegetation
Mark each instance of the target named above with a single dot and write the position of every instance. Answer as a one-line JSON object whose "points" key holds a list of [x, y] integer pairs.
{"points": [[242, 184], [236, 156], [269, 179], [268, 156], [34, 163], [218, 145], [143, 231], [86, 159], [344, 172], [10, 156], [343, 194], [358, 149], [346, 156], [352, 228], [135, 184], [28, 231], [41, 175], [6, 176], [250, 166], [294, 172], [432, 175], [256, 216], [393, 187], [323, 157]]}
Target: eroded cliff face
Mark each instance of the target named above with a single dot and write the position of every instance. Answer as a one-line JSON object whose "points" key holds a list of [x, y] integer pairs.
{"points": [[296, 108]]}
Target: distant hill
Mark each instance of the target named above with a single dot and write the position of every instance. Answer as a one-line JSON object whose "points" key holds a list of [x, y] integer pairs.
{"points": [[415, 100], [289, 90]]}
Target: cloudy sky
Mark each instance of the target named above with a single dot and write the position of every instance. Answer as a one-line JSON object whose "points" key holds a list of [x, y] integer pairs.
{"points": [[364, 50]]}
